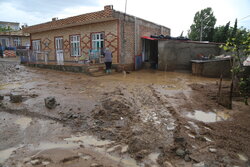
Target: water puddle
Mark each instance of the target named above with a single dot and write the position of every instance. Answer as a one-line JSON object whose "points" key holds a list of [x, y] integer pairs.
{"points": [[93, 143], [23, 122], [88, 140], [10, 86], [5, 154], [207, 116], [47, 145]]}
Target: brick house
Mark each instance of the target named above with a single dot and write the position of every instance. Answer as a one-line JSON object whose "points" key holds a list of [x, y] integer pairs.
{"points": [[81, 37]]}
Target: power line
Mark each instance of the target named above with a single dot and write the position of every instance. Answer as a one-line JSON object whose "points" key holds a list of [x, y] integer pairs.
{"points": [[244, 17]]}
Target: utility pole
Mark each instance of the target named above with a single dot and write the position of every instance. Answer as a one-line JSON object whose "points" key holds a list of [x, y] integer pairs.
{"points": [[123, 54], [201, 30]]}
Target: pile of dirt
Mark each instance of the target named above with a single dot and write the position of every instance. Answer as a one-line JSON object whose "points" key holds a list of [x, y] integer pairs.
{"points": [[128, 117]]}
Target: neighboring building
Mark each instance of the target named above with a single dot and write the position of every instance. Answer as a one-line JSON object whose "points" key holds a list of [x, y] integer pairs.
{"points": [[10, 25], [82, 37], [14, 39]]}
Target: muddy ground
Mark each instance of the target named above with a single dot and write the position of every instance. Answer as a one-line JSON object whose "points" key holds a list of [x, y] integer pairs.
{"points": [[145, 118]]}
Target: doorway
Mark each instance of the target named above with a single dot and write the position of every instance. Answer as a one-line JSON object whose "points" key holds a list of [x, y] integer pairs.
{"points": [[150, 53], [59, 50]]}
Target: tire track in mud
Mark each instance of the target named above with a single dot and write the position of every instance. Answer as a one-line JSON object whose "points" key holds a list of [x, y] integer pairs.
{"points": [[65, 120]]}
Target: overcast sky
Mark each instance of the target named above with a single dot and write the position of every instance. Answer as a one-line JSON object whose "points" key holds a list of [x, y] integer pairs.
{"points": [[175, 14]]}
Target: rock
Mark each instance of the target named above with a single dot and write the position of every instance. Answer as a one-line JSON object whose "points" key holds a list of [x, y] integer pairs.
{"points": [[1, 97], [95, 165], [45, 163], [212, 150], [180, 152], [179, 139], [35, 162], [26, 160], [87, 157], [50, 102], [201, 164], [167, 164], [16, 98], [141, 154], [187, 158]]}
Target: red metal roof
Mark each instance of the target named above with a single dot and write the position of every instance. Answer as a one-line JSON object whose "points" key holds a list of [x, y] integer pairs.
{"points": [[145, 37]]}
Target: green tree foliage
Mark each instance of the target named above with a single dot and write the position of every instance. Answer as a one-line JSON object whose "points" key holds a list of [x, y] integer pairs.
{"points": [[225, 34], [239, 47], [203, 25], [4, 29], [234, 31]]}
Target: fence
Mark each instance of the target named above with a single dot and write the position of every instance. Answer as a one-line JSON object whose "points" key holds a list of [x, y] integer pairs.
{"points": [[29, 56]]}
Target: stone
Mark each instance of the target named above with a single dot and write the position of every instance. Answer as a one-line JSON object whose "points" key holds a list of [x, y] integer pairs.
{"points": [[95, 165], [26, 160], [167, 164], [45, 163], [179, 139], [212, 150], [50, 102], [16, 98], [87, 157], [141, 154], [187, 158], [180, 152], [201, 164], [35, 162]]}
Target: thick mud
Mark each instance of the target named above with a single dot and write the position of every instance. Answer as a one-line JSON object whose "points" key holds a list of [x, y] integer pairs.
{"points": [[145, 118]]}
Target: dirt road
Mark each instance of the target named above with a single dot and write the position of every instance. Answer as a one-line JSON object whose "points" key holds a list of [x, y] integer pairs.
{"points": [[145, 118]]}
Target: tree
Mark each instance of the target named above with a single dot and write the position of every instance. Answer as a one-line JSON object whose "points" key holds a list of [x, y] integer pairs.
{"points": [[203, 26], [4, 29], [239, 47], [234, 31], [225, 33]]}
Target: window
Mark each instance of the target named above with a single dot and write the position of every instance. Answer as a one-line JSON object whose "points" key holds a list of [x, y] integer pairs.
{"points": [[4, 42], [97, 41], [75, 45], [17, 41], [36, 45]]}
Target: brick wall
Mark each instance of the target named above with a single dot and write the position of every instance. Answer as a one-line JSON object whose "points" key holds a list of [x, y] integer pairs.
{"points": [[109, 28], [134, 29]]}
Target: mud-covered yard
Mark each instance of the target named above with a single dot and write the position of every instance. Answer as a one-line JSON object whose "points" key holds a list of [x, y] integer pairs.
{"points": [[145, 118]]}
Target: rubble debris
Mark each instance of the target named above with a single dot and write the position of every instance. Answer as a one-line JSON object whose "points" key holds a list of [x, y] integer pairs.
{"points": [[50, 102], [95, 165], [16, 98], [212, 150], [1, 97], [180, 152], [201, 164]]}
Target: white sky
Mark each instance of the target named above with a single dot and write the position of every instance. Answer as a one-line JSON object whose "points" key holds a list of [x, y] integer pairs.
{"points": [[175, 14]]}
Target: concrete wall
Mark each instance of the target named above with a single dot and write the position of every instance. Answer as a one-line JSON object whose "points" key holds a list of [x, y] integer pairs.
{"points": [[176, 55]]}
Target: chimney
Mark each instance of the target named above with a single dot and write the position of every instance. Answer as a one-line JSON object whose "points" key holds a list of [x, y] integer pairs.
{"points": [[108, 7], [54, 18]]}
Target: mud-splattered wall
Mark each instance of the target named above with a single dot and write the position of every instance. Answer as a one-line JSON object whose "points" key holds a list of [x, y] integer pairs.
{"points": [[176, 55]]}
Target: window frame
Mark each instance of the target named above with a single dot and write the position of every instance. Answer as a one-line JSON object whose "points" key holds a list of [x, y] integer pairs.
{"points": [[36, 47], [77, 43], [97, 38], [17, 41]]}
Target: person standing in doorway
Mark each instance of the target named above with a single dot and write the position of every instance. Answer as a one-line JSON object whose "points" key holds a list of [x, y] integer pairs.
{"points": [[108, 60]]}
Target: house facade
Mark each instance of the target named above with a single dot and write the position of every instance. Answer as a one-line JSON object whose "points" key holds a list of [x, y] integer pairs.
{"points": [[82, 37], [14, 39]]}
